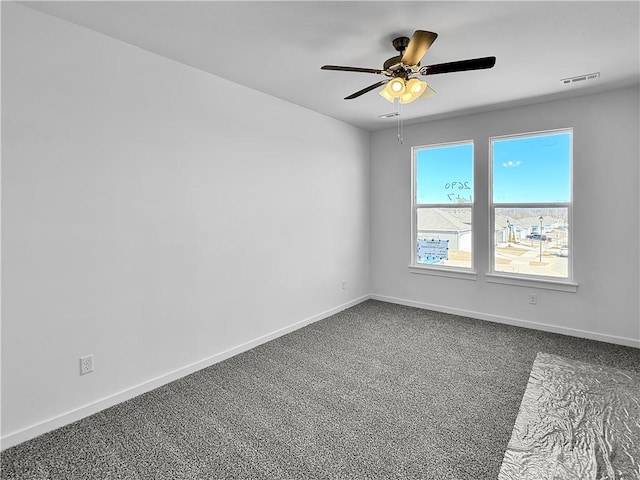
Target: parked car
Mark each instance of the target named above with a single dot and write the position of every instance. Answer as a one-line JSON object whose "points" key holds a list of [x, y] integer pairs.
{"points": [[537, 236], [564, 251]]}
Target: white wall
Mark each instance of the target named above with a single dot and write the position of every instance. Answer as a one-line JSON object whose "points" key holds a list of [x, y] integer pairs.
{"points": [[606, 157], [157, 216]]}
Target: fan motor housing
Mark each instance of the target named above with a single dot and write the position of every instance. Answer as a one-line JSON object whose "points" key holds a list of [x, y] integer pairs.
{"points": [[401, 43], [392, 61]]}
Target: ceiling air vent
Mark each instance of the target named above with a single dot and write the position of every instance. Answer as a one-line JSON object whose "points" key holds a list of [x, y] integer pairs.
{"points": [[580, 78], [388, 115]]}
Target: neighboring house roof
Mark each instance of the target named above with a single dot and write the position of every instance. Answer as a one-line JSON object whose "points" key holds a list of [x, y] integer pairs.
{"points": [[461, 214], [441, 220]]}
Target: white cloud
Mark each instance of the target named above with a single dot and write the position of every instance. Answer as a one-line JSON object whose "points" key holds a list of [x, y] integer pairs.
{"points": [[511, 163]]}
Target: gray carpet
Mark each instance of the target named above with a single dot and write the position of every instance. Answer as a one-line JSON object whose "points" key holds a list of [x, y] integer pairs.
{"points": [[378, 391]]}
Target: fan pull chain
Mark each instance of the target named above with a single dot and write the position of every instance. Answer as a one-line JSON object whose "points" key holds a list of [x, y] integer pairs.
{"points": [[400, 127]]}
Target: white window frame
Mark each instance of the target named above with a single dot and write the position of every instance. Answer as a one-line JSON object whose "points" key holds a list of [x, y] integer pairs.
{"points": [[468, 273], [537, 281]]}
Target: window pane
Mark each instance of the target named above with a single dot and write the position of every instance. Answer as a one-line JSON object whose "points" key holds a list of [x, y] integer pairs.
{"points": [[444, 236], [525, 244], [444, 174], [532, 169]]}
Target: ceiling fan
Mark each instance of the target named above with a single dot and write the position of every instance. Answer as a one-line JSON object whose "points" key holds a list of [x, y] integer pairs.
{"points": [[402, 69]]}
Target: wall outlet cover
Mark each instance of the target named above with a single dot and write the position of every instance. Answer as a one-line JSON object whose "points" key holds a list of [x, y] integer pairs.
{"points": [[86, 364]]}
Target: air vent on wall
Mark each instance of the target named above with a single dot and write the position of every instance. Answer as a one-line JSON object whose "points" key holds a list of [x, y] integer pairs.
{"points": [[580, 78]]}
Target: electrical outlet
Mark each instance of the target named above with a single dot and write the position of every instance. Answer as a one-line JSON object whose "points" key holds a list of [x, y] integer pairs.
{"points": [[533, 299], [86, 364]]}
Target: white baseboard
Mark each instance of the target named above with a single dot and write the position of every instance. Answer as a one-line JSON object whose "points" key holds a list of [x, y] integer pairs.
{"points": [[14, 438], [71, 416], [573, 332]]}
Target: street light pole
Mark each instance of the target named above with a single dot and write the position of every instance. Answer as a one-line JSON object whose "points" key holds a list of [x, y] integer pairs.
{"points": [[540, 232]]}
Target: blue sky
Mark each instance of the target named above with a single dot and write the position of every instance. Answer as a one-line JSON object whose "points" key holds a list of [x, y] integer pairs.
{"points": [[534, 169], [445, 174]]}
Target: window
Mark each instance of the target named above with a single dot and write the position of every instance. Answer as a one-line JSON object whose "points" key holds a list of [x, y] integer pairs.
{"points": [[531, 204], [442, 201]]}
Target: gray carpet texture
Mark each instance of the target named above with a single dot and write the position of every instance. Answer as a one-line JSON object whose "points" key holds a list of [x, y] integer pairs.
{"points": [[378, 391]]}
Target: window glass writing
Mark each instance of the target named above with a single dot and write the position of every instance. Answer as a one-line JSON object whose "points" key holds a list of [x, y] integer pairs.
{"points": [[444, 174]]}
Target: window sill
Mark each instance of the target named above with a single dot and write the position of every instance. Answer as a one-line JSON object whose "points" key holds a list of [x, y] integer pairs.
{"points": [[546, 283], [451, 272]]}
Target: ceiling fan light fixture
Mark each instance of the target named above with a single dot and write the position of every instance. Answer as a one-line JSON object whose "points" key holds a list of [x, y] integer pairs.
{"points": [[407, 97], [396, 87], [415, 88], [386, 95]]}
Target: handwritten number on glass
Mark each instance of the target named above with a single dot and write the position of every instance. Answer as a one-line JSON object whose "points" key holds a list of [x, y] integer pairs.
{"points": [[453, 197]]}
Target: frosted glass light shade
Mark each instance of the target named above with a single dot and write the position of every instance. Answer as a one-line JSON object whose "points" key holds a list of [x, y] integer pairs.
{"points": [[394, 89], [386, 95], [415, 88]]}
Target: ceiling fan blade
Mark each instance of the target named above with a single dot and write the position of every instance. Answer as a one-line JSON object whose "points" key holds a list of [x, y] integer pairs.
{"points": [[418, 46], [459, 66], [365, 90], [350, 69]]}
